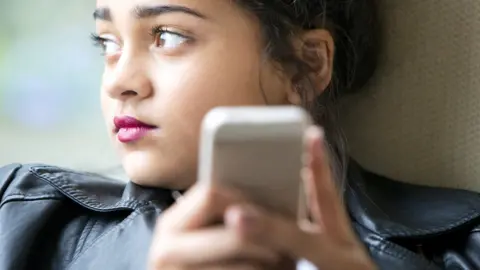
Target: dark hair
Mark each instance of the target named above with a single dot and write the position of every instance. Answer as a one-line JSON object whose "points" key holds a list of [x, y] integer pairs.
{"points": [[354, 26]]}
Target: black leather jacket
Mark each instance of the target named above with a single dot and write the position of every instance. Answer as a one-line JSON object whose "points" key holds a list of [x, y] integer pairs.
{"points": [[51, 218]]}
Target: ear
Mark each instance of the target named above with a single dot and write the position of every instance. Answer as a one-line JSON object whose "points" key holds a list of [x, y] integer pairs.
{"points": [[317, 49]]}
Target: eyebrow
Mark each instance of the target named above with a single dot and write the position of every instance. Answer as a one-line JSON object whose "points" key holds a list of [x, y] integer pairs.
{"points": [[141, 12], [102, 14], [152, 11]]}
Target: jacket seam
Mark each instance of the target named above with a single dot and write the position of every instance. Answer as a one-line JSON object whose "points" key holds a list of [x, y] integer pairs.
{"points": [[78, 196], [471, 215], [117, 227], [400, 252], [29, 195], [17, 197], [87, 229]]}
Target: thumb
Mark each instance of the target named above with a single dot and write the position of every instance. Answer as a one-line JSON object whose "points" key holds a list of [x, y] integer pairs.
{"points": [[201, 206]]}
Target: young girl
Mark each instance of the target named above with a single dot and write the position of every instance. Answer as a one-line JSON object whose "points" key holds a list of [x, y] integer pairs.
{"points": [[168, 62]]}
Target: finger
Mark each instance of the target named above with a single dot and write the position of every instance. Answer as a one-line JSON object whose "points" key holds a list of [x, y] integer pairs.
{"points": [[326, 207], [286, 237], [231, 266], [283, 264], [201, 206], [209, 246], [235, 265], [274, 231]]}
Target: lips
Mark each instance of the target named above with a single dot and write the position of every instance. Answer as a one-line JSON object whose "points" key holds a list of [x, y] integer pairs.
{"points": [[129, 129]]}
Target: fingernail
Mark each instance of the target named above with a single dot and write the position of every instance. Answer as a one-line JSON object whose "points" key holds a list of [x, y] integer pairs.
{"points": [[316, 137], [243, 217], [315, 133], [250, 217]]}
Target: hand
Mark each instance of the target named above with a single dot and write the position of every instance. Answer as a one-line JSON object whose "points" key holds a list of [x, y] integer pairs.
{"points": [[328, 241], [185, 238]]}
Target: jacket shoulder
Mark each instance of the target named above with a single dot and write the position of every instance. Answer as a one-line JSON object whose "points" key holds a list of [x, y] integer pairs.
{"points": [[404, 225], [29, 181], [20, 180], [88, 190], [7, 174], [395, 209]]}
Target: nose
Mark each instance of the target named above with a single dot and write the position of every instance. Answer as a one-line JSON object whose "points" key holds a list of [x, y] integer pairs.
{"points": [[128, 79]]}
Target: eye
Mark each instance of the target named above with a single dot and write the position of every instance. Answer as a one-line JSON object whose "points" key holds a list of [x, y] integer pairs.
{"points": [[108, 44], [111, 47], [168, 39]]}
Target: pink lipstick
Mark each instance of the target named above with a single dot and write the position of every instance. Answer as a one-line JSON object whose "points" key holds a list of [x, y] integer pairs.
{"points": [[129, 129]]}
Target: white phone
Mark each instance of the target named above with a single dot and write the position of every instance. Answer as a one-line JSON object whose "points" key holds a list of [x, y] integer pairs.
{"points": [[258, 150]]}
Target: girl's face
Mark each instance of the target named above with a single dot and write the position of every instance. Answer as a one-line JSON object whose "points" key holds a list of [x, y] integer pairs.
{"points": [[167, 63]]}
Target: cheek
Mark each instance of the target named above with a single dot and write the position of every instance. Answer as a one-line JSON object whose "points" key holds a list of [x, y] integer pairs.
{"points": [[193, 86], [107, 105], [200, 83]]}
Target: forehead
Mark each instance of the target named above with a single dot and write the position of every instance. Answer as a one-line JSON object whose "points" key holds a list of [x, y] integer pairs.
{"points": [[206, 6]]}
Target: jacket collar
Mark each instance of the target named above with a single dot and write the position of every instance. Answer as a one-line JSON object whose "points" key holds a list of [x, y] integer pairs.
{"points": [[100, 193], [390, 208], [394, 209]]}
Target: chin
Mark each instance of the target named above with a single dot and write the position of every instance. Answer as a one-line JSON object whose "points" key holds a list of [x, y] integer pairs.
{"points": [[150, 170]]}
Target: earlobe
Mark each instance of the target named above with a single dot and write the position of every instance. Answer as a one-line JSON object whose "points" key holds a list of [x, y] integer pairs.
{"points": [[316, 48], [294, 97]]}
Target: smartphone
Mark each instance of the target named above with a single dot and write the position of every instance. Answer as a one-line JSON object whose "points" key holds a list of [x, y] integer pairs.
{"points": [[259, 151]]}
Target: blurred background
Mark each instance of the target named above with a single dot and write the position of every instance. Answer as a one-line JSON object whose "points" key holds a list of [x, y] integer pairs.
{"points": [[49, 86]]}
